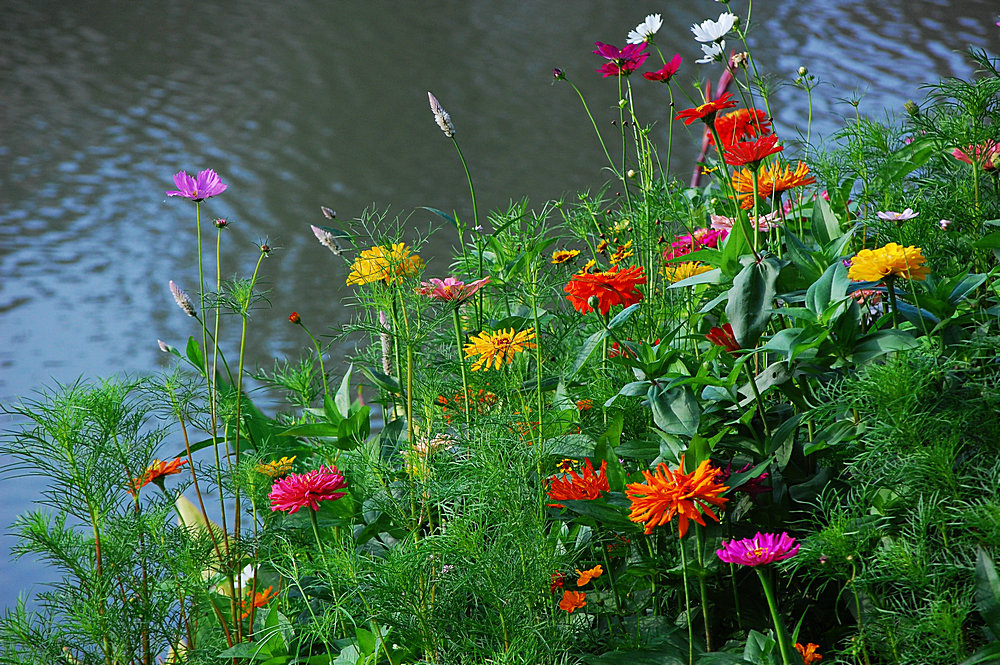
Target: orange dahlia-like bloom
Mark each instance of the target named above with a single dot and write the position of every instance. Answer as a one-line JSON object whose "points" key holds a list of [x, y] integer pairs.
{"points": [[872, 265], [498, 348], [585, 485], [667, 493], [739, 125], [611, 287], [155, 473], [772, 180], [808, 653], [385, 264], [572, 600], [587, 575], [708, 110]]}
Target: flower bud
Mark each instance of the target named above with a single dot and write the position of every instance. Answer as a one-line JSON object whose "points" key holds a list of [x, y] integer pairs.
{"points": [[221, 223], [802, 71], [631, 173], [911, 108], [163, 346], [593, 302], [945, 224], [558, 74], [295, 318], [622, 103], [739, 60]]}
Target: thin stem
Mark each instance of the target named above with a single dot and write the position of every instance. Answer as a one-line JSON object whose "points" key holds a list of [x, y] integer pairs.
{"points": [[703, 587], [890, 285], [784, 643], [596, 130], [687, 601], [322, 368], [461, 362]]}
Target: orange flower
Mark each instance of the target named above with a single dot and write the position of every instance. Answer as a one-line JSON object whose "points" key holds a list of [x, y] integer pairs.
{"points": [[260, 599], [585, 404], [707, 110], [572, 600], [772, 180], [808, 653], [155, 472], [587, 575], [667, 493], [587, 485], [611, 287], [738, 125]]}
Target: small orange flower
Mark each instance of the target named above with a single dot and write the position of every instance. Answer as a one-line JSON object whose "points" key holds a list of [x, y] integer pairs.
{"points": [[622, 253], [808, 653], [260, 599], [155, 473], [601, 246], [587, 485], [772, 180], [566, 465], [667, 493], [572, 600], [587, 266], [585, 404], [587, 575], [612, 287]]}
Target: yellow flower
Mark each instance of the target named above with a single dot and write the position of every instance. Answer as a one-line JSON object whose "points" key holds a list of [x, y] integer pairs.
{"points": [[621, 225], [498, 348], [872, 265], [587, 266], [587, 575], [601, 246], [385, 264], [677, 272], [622, 253], [277, 468], [564, 255]]}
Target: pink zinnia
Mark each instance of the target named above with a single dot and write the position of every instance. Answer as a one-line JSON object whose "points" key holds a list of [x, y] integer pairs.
{"points": [[307, 489], [451, 289], [759, 550], [622, 61], [206, 185]]}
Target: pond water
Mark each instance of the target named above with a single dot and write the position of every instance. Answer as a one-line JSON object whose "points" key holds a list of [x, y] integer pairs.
{"points": [[299, 104]]}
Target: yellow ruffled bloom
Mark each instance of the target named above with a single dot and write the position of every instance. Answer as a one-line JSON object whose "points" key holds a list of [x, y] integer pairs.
{"points": [[498, 348], [677, 272], [385, 264], [872, 265], [280, 467]]}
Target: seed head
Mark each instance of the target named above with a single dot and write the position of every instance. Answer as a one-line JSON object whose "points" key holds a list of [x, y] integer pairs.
{"points": [[441, 116], [182, 299]]}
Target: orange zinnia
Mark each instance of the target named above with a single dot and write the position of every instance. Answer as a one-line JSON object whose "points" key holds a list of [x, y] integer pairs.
{"points": [[155, 472], [612, 287], [738, 125], [587, 485], [667, 493], [572, 600], [772, 180]]}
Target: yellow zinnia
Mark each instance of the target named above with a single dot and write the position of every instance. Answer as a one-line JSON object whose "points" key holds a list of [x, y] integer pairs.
{"points": [[872, 265], [675, 273], [385, 264], [498, 348]]}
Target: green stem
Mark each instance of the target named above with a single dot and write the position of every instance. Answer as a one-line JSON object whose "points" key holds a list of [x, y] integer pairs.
{"points": [[784, 643], [890, 285], [594, 123], [703, 588], [756, 396], [461, 363], [687, 601], [322, 368]]}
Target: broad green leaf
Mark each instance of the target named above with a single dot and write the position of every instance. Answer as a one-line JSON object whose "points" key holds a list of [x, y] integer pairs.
{"points": [[592, 344], [751, 299], [825, 225], [965, 286], [343, 398], [829, 288], [675, 411], [988, 241], [802, 257], [312, 429], [619, 319], [879, 343], [988, 591], [193, 352]]}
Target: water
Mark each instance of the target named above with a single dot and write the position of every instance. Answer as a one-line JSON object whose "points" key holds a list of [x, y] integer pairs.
{"points": [[302, 104]]}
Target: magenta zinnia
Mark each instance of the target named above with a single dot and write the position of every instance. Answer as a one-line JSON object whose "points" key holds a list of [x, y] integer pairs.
{"points": [[307, 489], [759, 550], [206, 185]]}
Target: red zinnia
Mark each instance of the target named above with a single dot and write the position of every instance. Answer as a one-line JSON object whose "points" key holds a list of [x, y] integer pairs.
{"points": [[307, 489], [665, 73], [751, 153], [612, 287], [738, 125], [707, 110], [587, 485]]}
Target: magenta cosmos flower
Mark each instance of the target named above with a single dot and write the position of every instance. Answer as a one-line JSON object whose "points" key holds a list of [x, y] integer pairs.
{"points": [[451, 289], [205, 186], [665, 73], [307, 489], [622, 61], [759, 550]]}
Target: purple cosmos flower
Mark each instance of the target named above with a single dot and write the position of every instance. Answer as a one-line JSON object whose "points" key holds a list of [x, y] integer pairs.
{"points": [[622, 61], [898, 217], [759, 550], [205, 186]]}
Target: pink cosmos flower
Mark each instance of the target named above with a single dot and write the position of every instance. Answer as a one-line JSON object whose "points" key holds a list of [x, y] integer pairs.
{"points": [[622, 61], [665, 73], [451, 289], [685, 244], [205, 186], [898, 217], [764, 223], [988, 154], [759, 550], [307, 489]]}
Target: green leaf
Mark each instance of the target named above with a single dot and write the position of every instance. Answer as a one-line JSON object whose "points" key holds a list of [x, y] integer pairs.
{"points": [[988, 591], [879, 343], [802, 257], [587, 350], [825, 225], [988, 241], [831, 287], [621, 317], [193, 352], [751, 299], [312, 429], [442, 214], [675, 411], [382, 381], [343, 398], [965, 286], [602, 512], [988, 655]]}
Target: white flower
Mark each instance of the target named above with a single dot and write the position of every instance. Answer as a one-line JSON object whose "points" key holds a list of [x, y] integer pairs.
{"points": [[713, 52], [645, 30], [900, 217], [713, 31]]}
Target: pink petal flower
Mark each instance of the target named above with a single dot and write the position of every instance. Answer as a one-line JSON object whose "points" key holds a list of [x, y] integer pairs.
{"points": [[307, 489], [451, 289], [206, 185], [759, 550]]}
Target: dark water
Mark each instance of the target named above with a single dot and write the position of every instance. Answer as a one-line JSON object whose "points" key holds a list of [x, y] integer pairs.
{"points": [[298, 104]]}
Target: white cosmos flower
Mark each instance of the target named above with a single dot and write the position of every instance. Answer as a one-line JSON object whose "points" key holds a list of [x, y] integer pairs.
{"points": [[713, 52], [645, 30], [713, 31]]}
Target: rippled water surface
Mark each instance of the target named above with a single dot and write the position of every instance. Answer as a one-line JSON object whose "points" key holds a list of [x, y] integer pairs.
{"points": [[298, 104]]}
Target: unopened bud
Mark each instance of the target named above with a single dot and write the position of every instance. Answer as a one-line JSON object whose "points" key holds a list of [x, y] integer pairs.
{"points": [[294, 318], [441, 116], [593, 301], [739, 60], [221, 223], [802, 71], [631, 173], [622, 103], [823, 559], [911, 107], [558, 74], [163, 346]]}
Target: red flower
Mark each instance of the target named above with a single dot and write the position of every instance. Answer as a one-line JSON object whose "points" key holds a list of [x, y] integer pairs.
{"points": [[294, 318], [724, 337], [610, 288], [307, 489], [665, 73], [587, 485], [622, 61], [752, 153], [558, 580], [739, 125], [155, 473], [707, 111]]}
